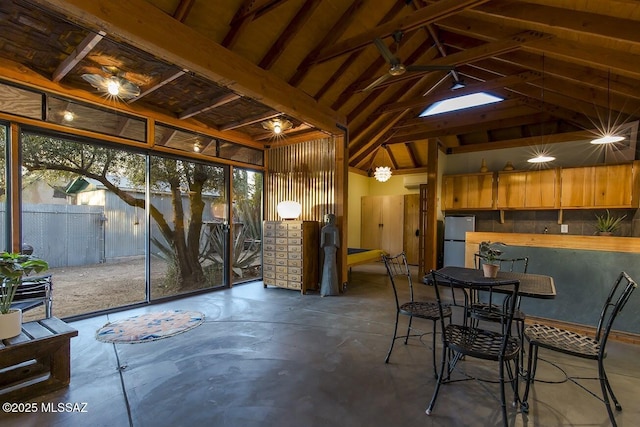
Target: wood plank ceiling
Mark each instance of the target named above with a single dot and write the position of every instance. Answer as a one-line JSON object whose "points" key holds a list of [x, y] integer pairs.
{"points": [[564, 67]]}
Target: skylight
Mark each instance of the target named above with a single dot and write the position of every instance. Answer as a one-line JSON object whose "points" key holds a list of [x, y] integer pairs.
{"points": [[460, 103]]}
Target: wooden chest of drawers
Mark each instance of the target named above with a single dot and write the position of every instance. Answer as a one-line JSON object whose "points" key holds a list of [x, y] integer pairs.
{"points": [[290, 254]]}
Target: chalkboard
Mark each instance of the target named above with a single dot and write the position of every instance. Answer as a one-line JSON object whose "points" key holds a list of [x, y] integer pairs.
{"points": [[583, 279]]}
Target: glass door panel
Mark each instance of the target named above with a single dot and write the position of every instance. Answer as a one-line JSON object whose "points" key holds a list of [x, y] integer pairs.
{"points": [[246, 256], [189, 227]]}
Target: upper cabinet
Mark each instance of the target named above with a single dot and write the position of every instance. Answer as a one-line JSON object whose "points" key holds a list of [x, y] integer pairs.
{"points": [[602, 186], [528, 189], [586, 187], [468, 191]]}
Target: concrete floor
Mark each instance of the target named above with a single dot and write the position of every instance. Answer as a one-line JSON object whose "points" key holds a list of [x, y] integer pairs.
{"points": [[272, 357]]}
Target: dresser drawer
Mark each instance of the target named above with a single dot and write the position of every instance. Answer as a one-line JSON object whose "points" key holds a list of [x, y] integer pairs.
{"points": [[294, 262], [295, 255], [281, 241], [295, 233], [269, 240], [269, 254], [281, 248], [294, 270], [269, 274], [269, 247], [268, 267], [294, 277], [294, 225], [294, 241], [281, 226], [282, 269], [294, 248], [268, 261]]}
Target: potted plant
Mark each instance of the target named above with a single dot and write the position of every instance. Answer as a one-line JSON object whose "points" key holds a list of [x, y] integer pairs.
{"points": [[13, 266], [489, 253], [607, 224]]}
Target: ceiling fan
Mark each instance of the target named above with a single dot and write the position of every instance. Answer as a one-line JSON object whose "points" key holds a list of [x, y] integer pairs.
{"points": [[114, 84], [397, 68]]}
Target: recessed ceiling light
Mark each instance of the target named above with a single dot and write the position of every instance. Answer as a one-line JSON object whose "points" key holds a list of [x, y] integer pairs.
{"points": [[460, 103]]}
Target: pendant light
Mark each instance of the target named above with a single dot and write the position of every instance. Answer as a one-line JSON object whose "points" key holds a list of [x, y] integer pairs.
{"points": [[382, 173], [542, 157], [608, 135]]}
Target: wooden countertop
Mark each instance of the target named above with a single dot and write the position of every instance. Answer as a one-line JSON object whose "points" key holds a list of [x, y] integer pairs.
{"points": [[564, 241]]}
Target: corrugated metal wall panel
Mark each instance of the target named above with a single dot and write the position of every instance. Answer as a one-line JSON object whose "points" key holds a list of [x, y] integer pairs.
{"points": [[310, 181]]}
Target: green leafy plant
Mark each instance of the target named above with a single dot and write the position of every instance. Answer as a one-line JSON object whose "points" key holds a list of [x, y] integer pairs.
{"points": [[490, 252], [13, 266], [608, 223]]}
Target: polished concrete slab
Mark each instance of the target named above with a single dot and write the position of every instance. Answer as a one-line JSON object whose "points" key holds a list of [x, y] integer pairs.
{"points": [[273, 357]]}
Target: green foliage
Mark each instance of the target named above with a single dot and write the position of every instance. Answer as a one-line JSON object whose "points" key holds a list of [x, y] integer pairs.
{"points": [[608, 223], [13, 266], [242, 256], [489, 251]]}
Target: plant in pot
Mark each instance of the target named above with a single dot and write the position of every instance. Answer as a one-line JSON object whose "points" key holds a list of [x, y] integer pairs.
{"points": [[607, 224], [13, 266], [489, 252]]}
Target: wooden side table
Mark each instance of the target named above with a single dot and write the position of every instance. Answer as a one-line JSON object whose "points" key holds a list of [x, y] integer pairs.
{"points": [[37, 361]]}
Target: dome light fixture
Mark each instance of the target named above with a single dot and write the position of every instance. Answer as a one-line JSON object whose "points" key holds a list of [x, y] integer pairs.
{"points": [[277, 125], [541, 158]]}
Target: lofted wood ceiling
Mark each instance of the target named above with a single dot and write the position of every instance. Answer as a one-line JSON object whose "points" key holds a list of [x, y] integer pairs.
{"points": [[564, 67]]}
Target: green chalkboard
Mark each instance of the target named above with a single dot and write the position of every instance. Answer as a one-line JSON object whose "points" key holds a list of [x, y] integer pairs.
{"points": [[583, 279]]}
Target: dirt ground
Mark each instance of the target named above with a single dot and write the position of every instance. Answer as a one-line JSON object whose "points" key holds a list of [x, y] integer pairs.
{"points": [[79, 290]]}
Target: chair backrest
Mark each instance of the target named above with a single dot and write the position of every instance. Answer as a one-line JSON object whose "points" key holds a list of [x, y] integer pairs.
{"points": [[455, 294], [398, 270], [519, 265], [615, 302]]}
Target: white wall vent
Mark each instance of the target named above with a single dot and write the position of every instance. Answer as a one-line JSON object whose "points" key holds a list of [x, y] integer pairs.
{"points": [[414, 181]]}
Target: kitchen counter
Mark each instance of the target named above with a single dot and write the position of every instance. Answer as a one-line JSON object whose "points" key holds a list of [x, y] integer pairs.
{"points": [[583, 268]]}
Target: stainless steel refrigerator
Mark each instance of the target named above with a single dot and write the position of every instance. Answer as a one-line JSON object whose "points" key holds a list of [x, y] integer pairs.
{"points": [[455, 228]]}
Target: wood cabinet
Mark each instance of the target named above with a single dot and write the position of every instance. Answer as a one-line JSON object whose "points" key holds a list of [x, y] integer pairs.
{"points": [[468, 191], [290, 254], [382, 222], [528, 189], [602, 186]]}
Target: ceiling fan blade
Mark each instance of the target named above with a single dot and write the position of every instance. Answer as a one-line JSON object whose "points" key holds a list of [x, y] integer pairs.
{"points": [[429, 67], [378, 81], [128, 90], [95, 80], [385, 52]]}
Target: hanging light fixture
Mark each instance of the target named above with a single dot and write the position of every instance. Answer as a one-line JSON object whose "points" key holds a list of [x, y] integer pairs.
{"points": [[608, 135], [115, 85], [382, 173], [277, 125], [541, 156]]}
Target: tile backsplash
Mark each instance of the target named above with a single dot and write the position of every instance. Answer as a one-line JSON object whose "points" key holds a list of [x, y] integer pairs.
{"points": [[579, 221]]}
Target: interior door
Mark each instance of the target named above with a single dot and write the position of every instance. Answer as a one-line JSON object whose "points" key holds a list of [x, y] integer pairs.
{"points": [[412, 227]]}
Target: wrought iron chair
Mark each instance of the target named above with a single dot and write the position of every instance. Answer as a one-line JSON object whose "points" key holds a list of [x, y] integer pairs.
{"points": [[468, 338], [398, 270], [33, 292], [582, 346], [519, 265]]}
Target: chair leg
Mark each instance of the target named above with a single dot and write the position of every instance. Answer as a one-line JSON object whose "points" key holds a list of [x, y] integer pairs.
{"points": [[606, 389], [439, 382], [393, 340], [433, 347], [613, 396], [406, 338], [503, 399], [531, 371]]}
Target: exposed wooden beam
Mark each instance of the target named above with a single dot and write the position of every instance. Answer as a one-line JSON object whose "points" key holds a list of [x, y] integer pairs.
{"points": [[85, 46], [183, 9], [523, 142], [484, 51], [423, 102], [148, 28], [163, 81], [206, 106], [249, 10], [329, 39], [249, 121], [426, 15], [292, 30]]}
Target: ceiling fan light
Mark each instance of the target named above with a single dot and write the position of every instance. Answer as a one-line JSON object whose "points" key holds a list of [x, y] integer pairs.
{"points": [[382, 173], [113, 86], [277, 126], [607, 139]]}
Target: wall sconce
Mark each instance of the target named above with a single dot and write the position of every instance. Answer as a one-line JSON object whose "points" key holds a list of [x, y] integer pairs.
{"points": [[277, 125], [289, 209]]}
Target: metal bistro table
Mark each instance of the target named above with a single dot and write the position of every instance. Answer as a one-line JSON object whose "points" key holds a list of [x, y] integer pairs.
{"points": [[531, 285]]}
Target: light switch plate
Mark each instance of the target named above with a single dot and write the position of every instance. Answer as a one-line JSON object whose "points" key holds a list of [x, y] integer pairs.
{"points": [[564, 228]]}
